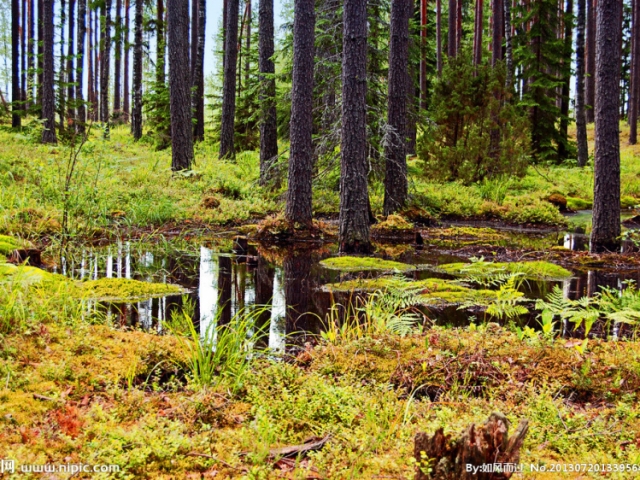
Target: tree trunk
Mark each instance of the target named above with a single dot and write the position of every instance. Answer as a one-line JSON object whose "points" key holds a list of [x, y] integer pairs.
{"points": [[590, 65], [508, 44], [268, 123], [82, 30], [136, 114], [354, 197], [61, 74], [126, 93], [297, 291], [439, 36], [96, 65], [477, 38], [160, 44], [606, 198], [198, 81], [23, 55], [180, 85], [227, 130], [459, 27], [225, 267], [31, 78], [635, 74], [563, 151], [451, 36], [48, 95], [91, 88], [298, 209], [105, 53], [423, 54], [498, 26], [71, 104], [16, 97], [40, 56], [247, 65], [194, 38], [581, 120], [117, 74], [395, 182]]}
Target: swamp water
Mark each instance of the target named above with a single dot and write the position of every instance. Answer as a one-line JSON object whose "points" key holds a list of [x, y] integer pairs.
{"points": [[289, 283]]}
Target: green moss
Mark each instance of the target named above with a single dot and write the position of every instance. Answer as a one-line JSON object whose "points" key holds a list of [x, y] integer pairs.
{"points": [[431, 291], [126, 289], [9, 244], [574, 203], [361, 264], [25, 274], [393, 222], [627, 201], [537, 270]]}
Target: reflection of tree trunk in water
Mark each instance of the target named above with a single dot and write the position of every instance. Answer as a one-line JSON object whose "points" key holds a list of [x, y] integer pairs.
{"points": [[224, 290], [264, 291], [596, 280], [297, 286], [241, 282]]}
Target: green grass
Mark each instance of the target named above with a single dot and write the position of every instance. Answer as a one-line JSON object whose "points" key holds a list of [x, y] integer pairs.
{"points": [[363, 264]]}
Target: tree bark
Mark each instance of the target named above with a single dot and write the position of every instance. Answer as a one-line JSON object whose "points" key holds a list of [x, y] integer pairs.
{"points": [[71, 104], [194, 37], [606, 198], [299, 196], [423, 54], [508, 44], [61, 73], [40, 56], [395, 182], [136, 114], [125, 90], [477, 38], [198, 81], [498, 26], [590, 80], [247, 65], [160, 44], [48, 95], [16, 96], [117, 88], [451, 37], [268, 123], [82, 31], [105, 53], [31, 75], [439, 36], [563, 152], [180, 85], [227, 130], [91, 89], [354, 197], [581, 120], [23, 55], [635, 74]]}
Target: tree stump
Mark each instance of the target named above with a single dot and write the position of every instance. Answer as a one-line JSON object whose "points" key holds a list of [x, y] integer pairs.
{"points": [[439, 457]]}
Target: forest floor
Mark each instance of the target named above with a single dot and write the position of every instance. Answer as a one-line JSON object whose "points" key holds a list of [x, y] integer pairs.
{"points": [[126, 187], [76, 390]]}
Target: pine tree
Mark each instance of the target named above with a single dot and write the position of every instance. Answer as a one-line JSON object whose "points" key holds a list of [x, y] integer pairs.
{"points": [[563, 147], [105, 54], [136, 114], [71, 104], [354, 198], [126, 93], [198, 73], [268, 121], [634, 101], [48, 94], [299, 196], [477, 37], [117, 73], [82, 30], [590, 64], [227, 147], [180, 85], [395, 182], [606, 197], [452, 32], [15, 64], [581, 119]]}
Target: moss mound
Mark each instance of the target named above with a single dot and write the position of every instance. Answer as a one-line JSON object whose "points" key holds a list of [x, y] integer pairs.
{"points": [[9, 244], [431, 291], [537, 270], [393, 223], [574, 203], [126, 289], [25, 274], [362, 264]]}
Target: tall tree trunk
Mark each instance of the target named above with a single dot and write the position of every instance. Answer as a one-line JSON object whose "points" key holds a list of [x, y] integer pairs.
{"points": [[82, 31], [354, 197], [395, 182], [91, 88], [247, 65], [194, 37], [48, 94], [105, 53], [23, 55], [451, 35], [117, 74], [635, 74], [40, 56], [439, 36], [606, 197], [71, 104], [299, 194], [136, 116], [268, 121], [31, 76], [160, 44], [508, 44], [563, 151], [126, 93], [227, 130], [477, 38], [459, 26], [96, 66], [61, 74], [498, 27], [423, 54], [581, 120], [198, 80], [590, 65], [180, 85], [16, 97]]}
